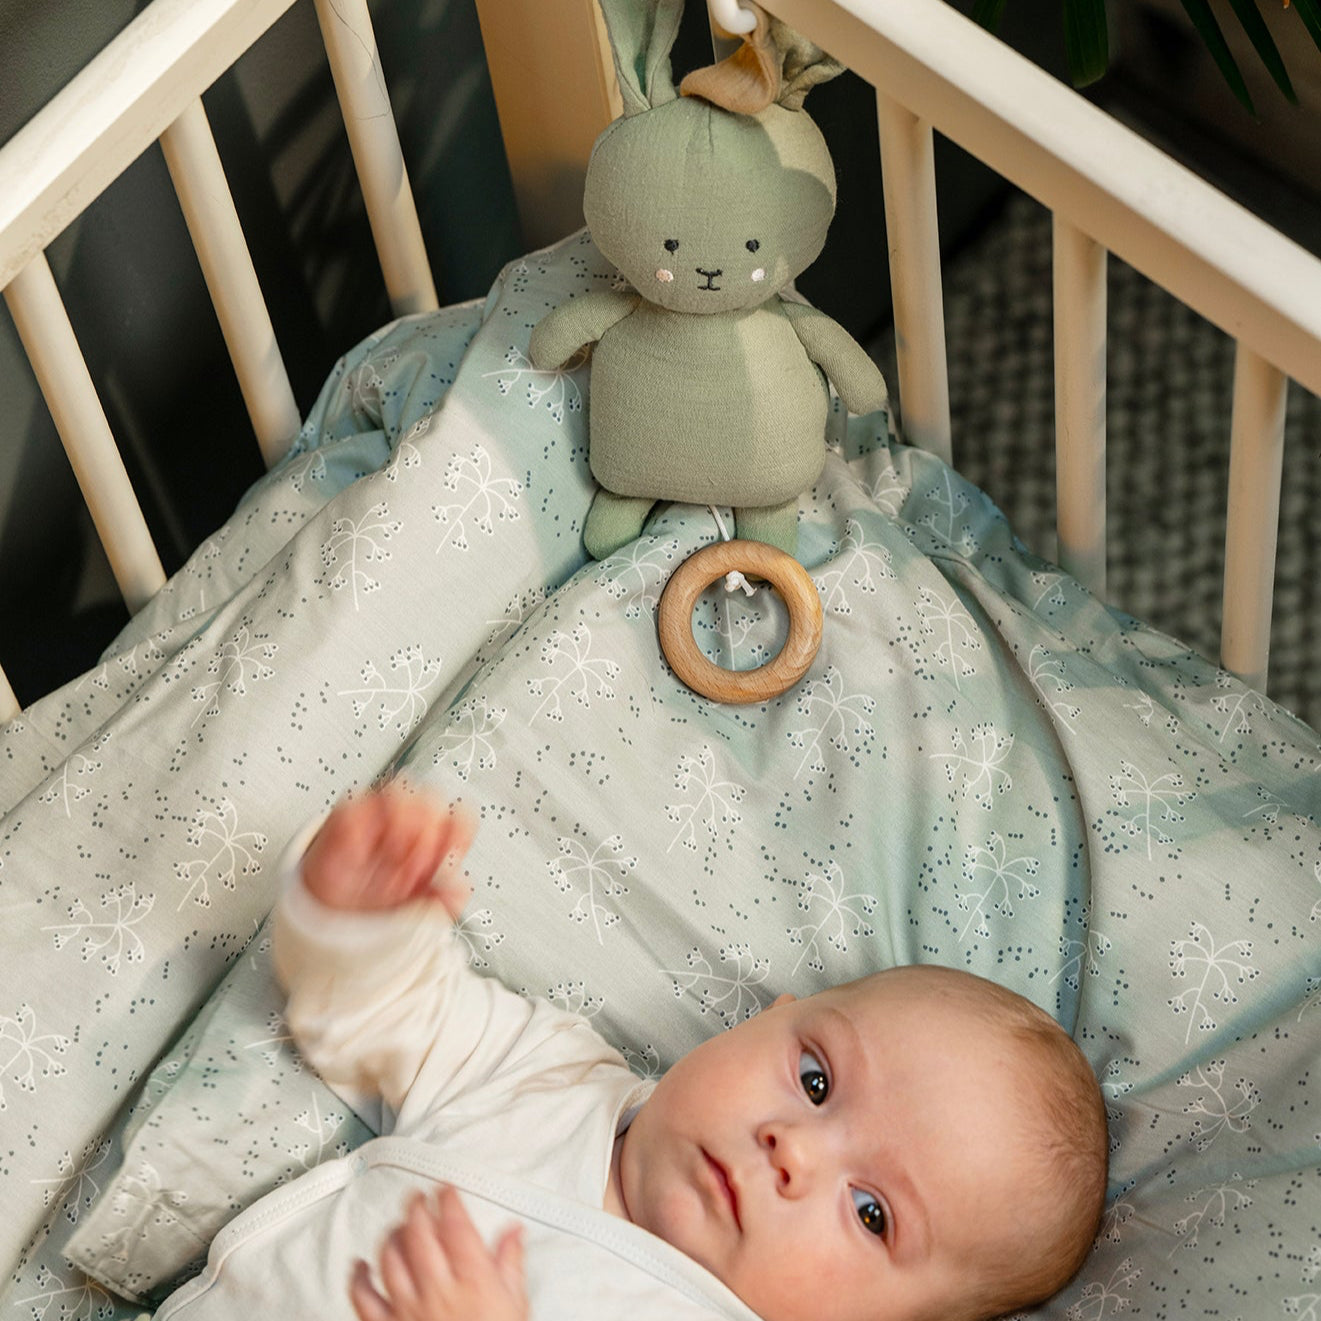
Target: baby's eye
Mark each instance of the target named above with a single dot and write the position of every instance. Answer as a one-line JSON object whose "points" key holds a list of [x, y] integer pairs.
{"points": [[870, 1212], [812, 1074], [752, 245], [671, 245]]}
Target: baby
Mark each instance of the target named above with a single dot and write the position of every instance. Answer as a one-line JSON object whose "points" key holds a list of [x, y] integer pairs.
{"points": [[917, 1144]]}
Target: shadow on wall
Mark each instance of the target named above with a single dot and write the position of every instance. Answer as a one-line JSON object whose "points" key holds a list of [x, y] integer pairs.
{"points": [[139, 306]]}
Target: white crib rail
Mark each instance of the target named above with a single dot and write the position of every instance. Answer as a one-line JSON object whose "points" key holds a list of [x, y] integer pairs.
{"points": [[43, 326], [1080, 311], [147, 86], [208, 208], [1109, 191], [346, 28], [915, 280]]}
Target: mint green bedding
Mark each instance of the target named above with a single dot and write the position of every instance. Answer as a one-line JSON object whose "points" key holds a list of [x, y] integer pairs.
{"points": [[984, 767]]}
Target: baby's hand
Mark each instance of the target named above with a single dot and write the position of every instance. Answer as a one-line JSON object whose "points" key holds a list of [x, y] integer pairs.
{"points": [[435, 1267], [387, 848]]}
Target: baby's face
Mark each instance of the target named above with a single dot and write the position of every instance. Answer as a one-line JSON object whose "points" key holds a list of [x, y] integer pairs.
{"points": [[851, 1155]]}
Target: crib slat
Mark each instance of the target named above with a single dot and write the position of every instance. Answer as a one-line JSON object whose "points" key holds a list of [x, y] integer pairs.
{"points": [[346, 29], [9, 707], [909, 181], [43, 326], [208, 207], [1079, 265], [1256, 459], [541, 55]]}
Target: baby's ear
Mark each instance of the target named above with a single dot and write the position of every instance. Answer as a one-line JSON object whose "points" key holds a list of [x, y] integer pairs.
{"points": [[783, 999], [642, 34]]}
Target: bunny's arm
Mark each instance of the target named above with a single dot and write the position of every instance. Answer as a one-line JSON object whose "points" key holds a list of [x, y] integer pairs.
{"points": [[856, 378], [582, 320]]}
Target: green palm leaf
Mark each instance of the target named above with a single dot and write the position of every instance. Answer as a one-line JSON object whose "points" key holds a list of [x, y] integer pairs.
{"points": [[1310, 12], [1086, 40], [1260, 35], [1199, 11], [1087, 44], [988, 13]]}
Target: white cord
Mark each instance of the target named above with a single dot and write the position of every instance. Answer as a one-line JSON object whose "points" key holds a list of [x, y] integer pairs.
{"points": [[731, 16], [734, 579]]}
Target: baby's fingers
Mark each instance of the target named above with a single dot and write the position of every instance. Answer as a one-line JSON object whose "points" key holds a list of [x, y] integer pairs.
{"points": [[397, 1273], [367, 1303], [468, 1255], [509, 1260]]}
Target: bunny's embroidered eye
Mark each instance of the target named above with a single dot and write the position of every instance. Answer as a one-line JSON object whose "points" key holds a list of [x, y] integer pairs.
{"points": [[752, 245], [671, 245]]}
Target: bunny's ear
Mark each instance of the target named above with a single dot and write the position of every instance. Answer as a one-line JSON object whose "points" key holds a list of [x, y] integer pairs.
{"points": [[803, 65], [642, 33], [772, 64]]}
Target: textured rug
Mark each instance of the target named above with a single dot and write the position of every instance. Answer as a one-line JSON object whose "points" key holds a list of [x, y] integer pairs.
{"points": [[1169, 393]]}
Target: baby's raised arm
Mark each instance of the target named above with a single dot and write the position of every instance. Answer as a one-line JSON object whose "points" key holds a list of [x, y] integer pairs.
{"points": [[388, 848], [379, 993]]}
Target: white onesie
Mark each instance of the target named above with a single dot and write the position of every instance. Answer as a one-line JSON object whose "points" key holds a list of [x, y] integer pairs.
{"points": [[514, 1102]]}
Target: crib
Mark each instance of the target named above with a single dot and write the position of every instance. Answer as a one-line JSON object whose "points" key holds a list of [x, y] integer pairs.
{"points": [[986, 765]]}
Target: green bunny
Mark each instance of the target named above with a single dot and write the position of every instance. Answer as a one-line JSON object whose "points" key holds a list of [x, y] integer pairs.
{"points": [[708, 384]]}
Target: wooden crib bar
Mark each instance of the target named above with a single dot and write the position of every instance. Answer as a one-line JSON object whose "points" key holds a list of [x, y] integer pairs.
{"points": [[8, 702], [208, 207], [541, 55], [43, 326], [1256, 462], [1079, 274], [346, 29], [915, 279]]}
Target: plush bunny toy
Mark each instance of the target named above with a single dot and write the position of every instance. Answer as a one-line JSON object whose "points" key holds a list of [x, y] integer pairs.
{"points": [[708, 385]]}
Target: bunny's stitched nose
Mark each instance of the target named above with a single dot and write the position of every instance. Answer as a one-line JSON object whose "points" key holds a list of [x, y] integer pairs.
{"points": [[710, 279]]}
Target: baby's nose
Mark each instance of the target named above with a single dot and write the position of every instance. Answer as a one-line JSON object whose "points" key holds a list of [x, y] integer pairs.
{"points": [[787, 1148]]}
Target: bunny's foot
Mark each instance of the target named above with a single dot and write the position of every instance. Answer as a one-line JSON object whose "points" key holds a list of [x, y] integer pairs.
{"points": [[777, 525], [613, 521]]}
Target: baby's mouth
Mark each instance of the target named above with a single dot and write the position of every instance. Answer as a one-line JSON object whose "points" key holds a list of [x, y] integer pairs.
{"points": [[724, 1187]]}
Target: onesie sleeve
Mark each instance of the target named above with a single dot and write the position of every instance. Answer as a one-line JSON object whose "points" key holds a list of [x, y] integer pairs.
{"points": [[386, 1002]]}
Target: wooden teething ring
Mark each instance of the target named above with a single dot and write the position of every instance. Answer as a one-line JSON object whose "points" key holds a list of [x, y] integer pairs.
{"points": [[694, 576]]}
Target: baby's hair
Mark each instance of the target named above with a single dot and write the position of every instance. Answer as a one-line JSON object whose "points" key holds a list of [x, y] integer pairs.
{"points": [[1070, 1135], [1066, 1129]]}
